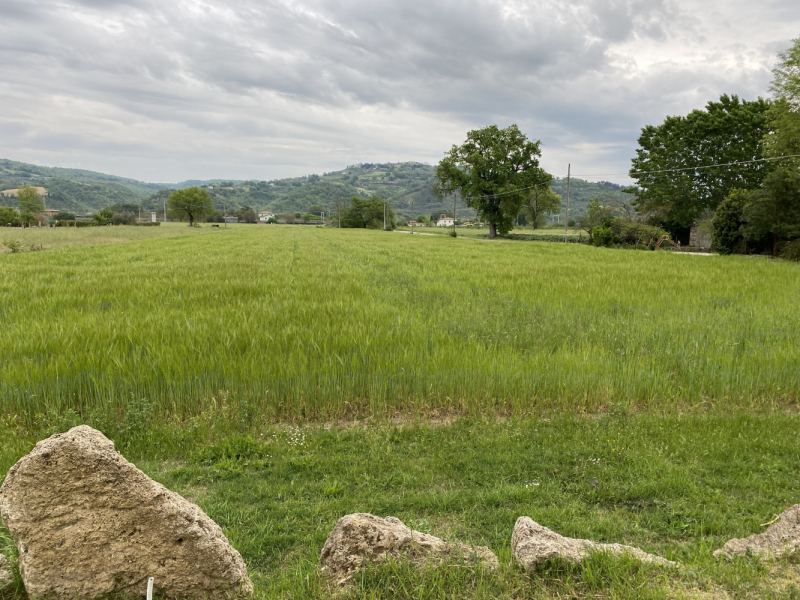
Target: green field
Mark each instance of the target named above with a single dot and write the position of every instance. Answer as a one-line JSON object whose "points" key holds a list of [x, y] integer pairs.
{"points": [[519, 232], [284, 376], [320, 323]]}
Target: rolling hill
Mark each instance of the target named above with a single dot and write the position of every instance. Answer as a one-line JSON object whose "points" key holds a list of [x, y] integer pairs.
{"points": [[402, 184]]}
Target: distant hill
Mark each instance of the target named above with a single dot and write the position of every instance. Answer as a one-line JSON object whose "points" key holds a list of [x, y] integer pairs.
{"points": [[401, 184]]}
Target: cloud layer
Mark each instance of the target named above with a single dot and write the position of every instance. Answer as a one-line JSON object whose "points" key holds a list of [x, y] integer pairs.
{"points": [[164, 91]]}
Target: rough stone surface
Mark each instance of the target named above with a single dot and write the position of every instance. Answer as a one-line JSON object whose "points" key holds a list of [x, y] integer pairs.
{"points": [[532, 544], [5, 572], [87, 523], [783, 537], [361, 537]]}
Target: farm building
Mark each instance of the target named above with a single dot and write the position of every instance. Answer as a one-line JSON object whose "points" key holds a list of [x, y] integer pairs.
{"points": [[265, 216], [445, 221]]}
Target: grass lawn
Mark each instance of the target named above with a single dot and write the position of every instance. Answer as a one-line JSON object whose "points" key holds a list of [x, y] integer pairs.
{"points": [[518, 233], [678, 486], [64, 237], [285, 376]]}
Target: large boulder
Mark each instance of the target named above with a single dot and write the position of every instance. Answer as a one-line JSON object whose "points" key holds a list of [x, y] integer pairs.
{"points": [[362, 537], [783, 537], [533, 544], [6, 577], [87, 523]]}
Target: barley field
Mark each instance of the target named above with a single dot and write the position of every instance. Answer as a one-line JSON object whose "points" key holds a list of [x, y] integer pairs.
{"points": [[306, 323]]}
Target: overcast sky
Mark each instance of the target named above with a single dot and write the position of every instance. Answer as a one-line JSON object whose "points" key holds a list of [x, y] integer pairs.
{"points": [[244, 89]]}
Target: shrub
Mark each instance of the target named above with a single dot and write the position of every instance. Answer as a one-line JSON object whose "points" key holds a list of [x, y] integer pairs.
{"points": [[728, 222], [8, 216], [603, 236], [791, 250], [14, 246], [123, 218], [630, 232]]}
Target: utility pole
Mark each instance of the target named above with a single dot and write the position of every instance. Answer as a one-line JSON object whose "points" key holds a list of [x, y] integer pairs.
{"points": [[566, 219], [454, 216]]}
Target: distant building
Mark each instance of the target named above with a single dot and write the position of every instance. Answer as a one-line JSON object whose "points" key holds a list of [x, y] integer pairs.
{"points": [[699, 237], [445, 221], [231, 219], [51, 212], [414, 224], [265, 216]]}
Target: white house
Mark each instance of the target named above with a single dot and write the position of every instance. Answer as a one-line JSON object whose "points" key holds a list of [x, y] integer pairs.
{"points": [[445, 221], [265, 216]]}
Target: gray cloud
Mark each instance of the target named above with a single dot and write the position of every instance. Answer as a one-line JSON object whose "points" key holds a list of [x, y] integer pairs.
{"points": [[262, 89]]}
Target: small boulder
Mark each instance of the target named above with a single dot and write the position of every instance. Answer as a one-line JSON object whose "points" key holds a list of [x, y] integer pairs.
{"points": [[532, 544], [6, 576], [88, 523], [363, 537], [783, 537]]}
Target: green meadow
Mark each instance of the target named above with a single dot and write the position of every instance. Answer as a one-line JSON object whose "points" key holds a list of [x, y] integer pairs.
{"points": [[284, 376], [297, 322]]}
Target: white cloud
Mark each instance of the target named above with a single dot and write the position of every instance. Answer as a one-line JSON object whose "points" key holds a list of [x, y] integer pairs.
{"points": [[262, 89]]}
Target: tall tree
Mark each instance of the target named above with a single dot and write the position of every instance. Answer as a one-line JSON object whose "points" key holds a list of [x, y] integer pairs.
{"points": [[673, 187], [493, 170], [192, 203], [29, 200], [784, 114], [541, 201], [368, 213], [774, 210]]}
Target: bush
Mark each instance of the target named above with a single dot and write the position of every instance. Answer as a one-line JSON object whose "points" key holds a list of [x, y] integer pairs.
{"points": [[149, 224], [603, 236], [630, 232], [728, 222], [123, 218], [791, 251], [9, 216]]}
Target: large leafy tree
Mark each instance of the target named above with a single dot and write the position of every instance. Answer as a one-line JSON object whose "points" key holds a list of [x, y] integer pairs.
{"points": [[368, 213], [784, 114], [29, 200], [770, 215], [493, 170], [540, 201], [8, 216], [673, 187], [191, 203]]}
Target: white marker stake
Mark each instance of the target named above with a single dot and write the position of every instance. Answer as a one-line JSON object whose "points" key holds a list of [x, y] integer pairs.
{"points": [[150, 588]]}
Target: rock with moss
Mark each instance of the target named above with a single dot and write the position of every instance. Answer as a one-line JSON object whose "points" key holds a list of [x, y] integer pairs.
{"points": [[533, 544], [362, 537], [781, 537]]}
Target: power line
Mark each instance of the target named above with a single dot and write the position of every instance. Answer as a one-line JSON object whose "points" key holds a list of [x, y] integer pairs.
{"points": [[738, 162], [517, 191]]}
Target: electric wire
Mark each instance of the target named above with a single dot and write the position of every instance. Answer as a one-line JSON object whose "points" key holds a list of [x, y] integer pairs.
{"points": [[738, 162]]}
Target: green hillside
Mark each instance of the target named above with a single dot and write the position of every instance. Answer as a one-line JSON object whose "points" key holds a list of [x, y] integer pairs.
{"points": [[399, 183], [402, 184]]}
